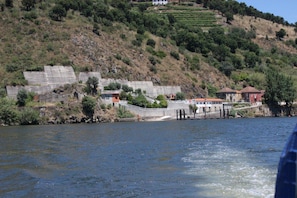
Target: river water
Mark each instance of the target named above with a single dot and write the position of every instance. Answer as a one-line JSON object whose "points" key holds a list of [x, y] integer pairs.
{"points": [[229, 158]]}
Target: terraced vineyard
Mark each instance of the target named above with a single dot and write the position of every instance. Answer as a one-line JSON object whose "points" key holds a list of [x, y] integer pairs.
{"points": [[191, 15]]}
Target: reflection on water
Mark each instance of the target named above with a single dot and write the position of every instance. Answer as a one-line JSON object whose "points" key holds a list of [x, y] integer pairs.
{"points": [[205, 158]]}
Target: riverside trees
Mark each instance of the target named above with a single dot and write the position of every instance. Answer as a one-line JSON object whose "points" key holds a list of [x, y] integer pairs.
{"points": [[279, 88]]}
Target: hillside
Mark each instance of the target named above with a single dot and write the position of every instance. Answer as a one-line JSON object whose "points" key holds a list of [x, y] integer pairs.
{"points": [[31, 39], [267, 28]]}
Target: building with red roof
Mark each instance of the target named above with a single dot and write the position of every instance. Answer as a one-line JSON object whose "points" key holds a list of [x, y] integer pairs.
{"points": [[251, 95], [248, 94]]}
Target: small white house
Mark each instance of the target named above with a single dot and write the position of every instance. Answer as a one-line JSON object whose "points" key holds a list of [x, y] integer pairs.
{"points": [[160, 2], [207, 105]]}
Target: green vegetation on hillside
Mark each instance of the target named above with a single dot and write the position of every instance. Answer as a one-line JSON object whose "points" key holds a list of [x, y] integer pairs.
{"points": [[232, 7], [189, 16], [37, 33]]}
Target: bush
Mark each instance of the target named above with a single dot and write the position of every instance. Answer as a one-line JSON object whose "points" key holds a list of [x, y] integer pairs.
{"points": [[153, 69], [88, 105], [22, 97], [180, 96], [160, 54], [140, 30], [123, 113], [211, 90], [151, 43], [30, 15], [138, 91], [103, 106], [8, 111], [195, 63], [123, 95], [136, 43], [57, 13], [29, 116], [163, 102], [126, 61], [12, 67], [2, 92], [96, 29], [152, 60], [174, 55], [150, 50], [126, 88], [140, 101], [113, 86], [118, 56]]}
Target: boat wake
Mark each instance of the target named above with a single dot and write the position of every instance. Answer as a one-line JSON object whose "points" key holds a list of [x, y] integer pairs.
{"points": [[226, 172]]}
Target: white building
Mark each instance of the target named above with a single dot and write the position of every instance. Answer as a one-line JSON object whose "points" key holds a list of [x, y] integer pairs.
{"points": [[207, 105], [160, 2]]}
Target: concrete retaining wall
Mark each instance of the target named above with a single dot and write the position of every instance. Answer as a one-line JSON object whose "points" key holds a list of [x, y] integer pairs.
{"points": [[83, 76], [12, 91], [163, 90], [52, 75], [155, 112], [35, 78], [55, 76], [59, 75]]}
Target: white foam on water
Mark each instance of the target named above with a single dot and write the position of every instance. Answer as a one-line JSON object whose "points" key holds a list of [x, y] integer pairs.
{"points": [[226, 172]]}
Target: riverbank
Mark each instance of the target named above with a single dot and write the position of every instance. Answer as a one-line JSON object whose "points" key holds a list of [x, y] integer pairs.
{"points": [[71, 113]]}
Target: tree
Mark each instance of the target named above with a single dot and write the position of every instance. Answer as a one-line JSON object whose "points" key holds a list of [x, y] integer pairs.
{"points": [[221, 52], [289, 94], [8, 111], [28, 4], [250, 59], [92, 85], [227, 68], [21, 97], [229, 17], [57, 13], [280, 34], [179, 96], [279, 88], [193, 108], [69, 4], [88, 105]]}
